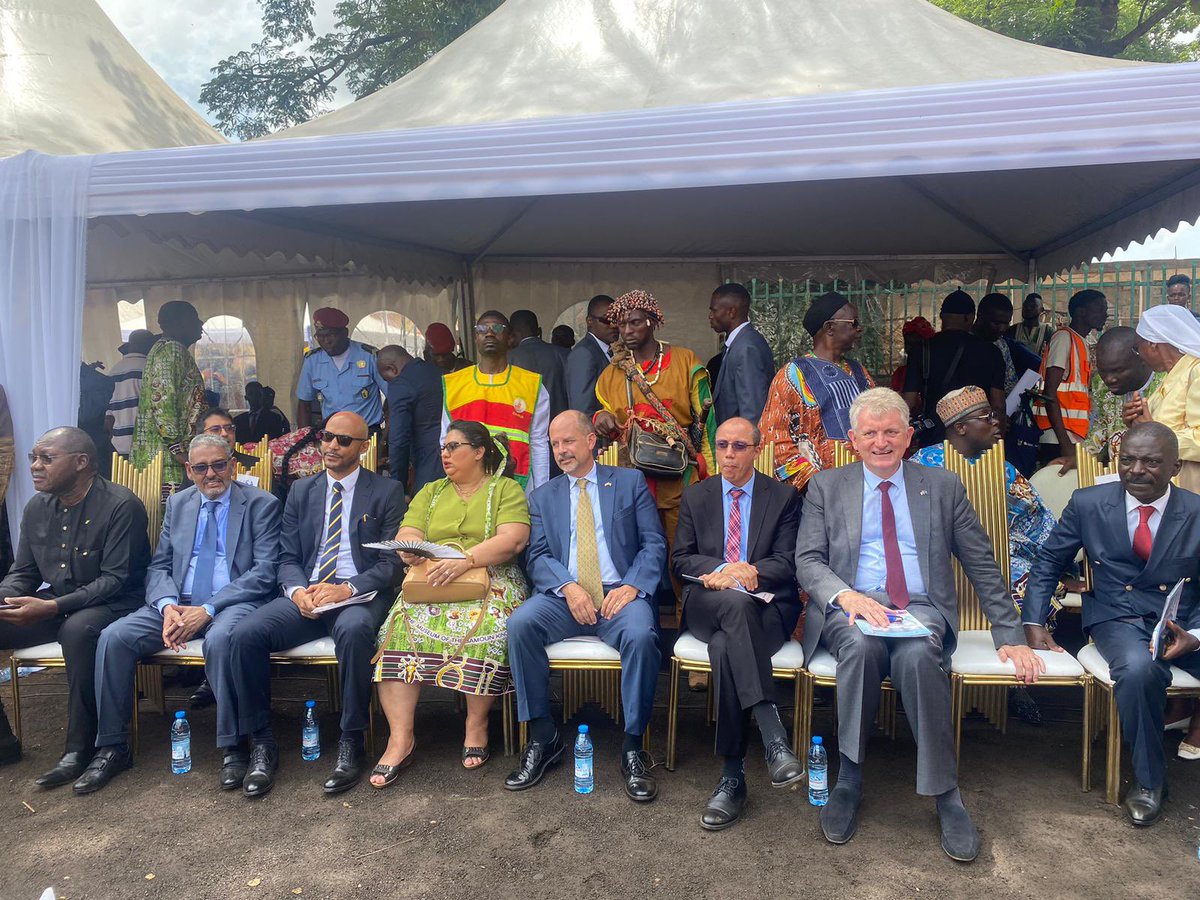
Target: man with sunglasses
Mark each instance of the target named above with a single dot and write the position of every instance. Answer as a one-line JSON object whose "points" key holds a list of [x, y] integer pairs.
{"points": [[214, 565], [504, 398], [590, 356], [326, 520], [338, 375], [753, 550], [85, 538]]}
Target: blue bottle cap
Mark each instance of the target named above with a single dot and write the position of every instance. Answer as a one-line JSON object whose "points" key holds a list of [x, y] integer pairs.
{"points": [[817, 739], [310, 703], [583, 729], [180, 714]]}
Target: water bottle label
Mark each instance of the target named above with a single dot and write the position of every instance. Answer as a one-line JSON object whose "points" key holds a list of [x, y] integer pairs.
{"points": [[311, 741], [180, 750], [817, 781], [583, 768]]}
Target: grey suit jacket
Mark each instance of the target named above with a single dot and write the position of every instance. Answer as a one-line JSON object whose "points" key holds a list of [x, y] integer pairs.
{"points": [[744, 378], [944, 524], [584, 366], [536, 355], [251, 547]]}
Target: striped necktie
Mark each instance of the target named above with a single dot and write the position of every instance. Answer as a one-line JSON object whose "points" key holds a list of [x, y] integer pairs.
{"points": [[733, 539], [333, 537]]}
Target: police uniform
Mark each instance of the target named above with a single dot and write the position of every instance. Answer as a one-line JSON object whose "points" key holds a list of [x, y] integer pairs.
{"points": [[357, 388]]}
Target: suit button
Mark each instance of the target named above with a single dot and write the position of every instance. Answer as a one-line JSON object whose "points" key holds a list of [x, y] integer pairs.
{"points": [[1162, 587], [1129, 587]]}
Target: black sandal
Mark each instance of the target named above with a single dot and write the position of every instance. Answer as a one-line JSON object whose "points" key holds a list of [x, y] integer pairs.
{"points": [[481, 753], [391, 774]]}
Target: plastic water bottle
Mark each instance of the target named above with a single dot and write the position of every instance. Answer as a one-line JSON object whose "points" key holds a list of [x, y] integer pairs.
{"points": [[584, 780], [818, 773], [181, 744], [310, 743]]}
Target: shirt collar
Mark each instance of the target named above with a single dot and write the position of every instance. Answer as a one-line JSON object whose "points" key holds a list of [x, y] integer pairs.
{"points": [[748, 487], [729, 337], [873, 481], [1146, 387], [590, 476], [603, 346], [347, 483], [223, 500], [1132, 502]]}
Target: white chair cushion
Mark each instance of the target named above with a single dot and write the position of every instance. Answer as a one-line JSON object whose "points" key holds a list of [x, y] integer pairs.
{"points": [[692, 649], [1072, 601], [41, 651], [193, 649], [976, 655], [822, 663], [322, 646], [1097, 665], [585, 648]]}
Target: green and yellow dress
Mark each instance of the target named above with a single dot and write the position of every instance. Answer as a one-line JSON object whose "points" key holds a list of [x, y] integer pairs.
{"points": [[447, 644]]}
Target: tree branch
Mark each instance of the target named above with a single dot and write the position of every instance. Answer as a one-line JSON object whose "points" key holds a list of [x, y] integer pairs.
{"points": [[1144, 27]]}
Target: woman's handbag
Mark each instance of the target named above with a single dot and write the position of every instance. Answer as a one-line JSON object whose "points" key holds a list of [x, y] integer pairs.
{"points": [[472, 585]]}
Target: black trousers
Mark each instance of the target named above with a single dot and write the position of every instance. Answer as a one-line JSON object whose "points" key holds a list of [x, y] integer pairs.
{"points": [[78, 632], [742, 634]]}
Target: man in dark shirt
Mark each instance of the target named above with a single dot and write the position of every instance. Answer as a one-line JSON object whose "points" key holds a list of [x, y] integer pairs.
{"points": [[414, 399], [86, 538], [957, 358], [261, 419], [532, 353]]}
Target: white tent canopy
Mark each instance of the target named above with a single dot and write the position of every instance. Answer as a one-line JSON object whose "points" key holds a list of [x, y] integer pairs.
{"points": [[71, 83], [538, 58]]}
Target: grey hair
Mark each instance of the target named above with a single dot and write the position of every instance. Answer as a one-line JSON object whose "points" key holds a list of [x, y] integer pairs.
{"points": [[878, 402], [200, 441]]}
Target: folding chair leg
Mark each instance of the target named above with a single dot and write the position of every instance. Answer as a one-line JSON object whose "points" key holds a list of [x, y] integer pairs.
{"points": [[16, 694], [956, 712], [134, 732], [1086, 773], [1112, 769], [672, 714], [506, 719], [522, 735], [798, 717], [804, 715]]}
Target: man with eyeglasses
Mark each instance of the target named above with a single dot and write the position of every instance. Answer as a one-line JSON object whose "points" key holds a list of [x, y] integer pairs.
{"points": [[338, 375], [219, 423], [504, 398], [590, 356], [753, 551], [214, 565], [85, 538], [322, 561]]}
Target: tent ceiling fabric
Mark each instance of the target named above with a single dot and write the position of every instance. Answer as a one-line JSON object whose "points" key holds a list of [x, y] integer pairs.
{"points": [[1012, 167], [70, 83], [537, 58]]}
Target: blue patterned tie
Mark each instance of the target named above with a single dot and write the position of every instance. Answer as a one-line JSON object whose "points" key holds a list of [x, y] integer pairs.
{"points": [[333, 537], [206, 559]]}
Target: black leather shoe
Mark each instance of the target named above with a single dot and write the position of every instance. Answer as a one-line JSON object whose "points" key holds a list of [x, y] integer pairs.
{"points": [[640, 785], [233, 769], [108, 762], [785, 769], [839, 816], [260, 777], [348, 771], [536, 758], [70, 767], [203, 696], [10, 749], [725, 805], [960, 839], [1144, 805]]}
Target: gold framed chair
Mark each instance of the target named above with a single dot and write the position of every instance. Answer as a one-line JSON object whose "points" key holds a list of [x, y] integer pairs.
{"points": [[978, 679], [263, 470], [146, 484], [370, 459]]}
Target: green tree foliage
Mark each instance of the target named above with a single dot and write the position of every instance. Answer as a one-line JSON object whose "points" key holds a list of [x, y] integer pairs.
{"points": [[290, 76], [1150, 30]]}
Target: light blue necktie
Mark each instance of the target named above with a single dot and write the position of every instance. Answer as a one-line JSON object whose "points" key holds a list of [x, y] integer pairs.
{"points": [[206, 559]]}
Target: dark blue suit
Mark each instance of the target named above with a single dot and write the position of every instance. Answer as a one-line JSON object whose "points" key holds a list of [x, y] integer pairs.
{"points": [[251, 553], [414, 399], [635, 541], [744, 377], [375, 513], [1125, 602]]}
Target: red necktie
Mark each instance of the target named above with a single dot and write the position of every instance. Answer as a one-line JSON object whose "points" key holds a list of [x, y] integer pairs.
{"points": [[1142, 539], [896, 585], [733, 537]]}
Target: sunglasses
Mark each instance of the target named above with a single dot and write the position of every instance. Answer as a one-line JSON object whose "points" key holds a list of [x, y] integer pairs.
{"points": [[344, 440], [603, 320], [494, 328], [990, 417], [218, 467], [738, 446], [854, 323]]}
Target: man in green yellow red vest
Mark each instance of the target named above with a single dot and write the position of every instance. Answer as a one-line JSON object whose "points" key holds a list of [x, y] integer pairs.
{"points": [[506, 399], [1066, 375]]}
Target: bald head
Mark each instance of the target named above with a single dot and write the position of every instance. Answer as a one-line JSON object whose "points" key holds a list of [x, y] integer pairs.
{"points": [[63, 463], [69, 439], [1117, 361], [573, 441], [391, 360], [348, 423]]}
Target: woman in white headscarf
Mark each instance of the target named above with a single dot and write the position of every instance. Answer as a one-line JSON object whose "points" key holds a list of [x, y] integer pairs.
{"points": [[1169, 341]]}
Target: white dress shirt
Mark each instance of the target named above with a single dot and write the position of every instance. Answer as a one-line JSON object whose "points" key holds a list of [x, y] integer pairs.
{"points": [[603, 346], [729, 337], [346, 569], [608, 571], [1133, 517]]}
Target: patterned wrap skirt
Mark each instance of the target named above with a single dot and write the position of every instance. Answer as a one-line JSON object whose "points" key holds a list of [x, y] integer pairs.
{"points": [[422, 645]]}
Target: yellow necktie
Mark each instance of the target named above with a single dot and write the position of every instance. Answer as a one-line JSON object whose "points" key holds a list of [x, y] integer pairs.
{"points": [[587, 556]]}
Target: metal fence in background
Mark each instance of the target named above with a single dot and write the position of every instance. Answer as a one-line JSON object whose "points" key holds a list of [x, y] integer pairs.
{"points": [[778, 306]]}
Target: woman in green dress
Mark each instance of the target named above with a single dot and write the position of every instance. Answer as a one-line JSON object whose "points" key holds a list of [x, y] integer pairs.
{"points": [[463, 646]]}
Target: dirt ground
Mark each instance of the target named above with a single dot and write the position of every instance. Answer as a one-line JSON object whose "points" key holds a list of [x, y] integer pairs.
{"points": [[443, 832]]}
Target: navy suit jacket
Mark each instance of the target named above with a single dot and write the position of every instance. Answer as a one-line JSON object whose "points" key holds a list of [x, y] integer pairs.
{"points": [[414, 399], [744, 378], [632, 531], [1122, 585], [251, 547], [584, 366], [375, 515]]}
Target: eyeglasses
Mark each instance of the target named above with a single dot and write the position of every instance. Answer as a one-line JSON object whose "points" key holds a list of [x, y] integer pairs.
{"points": [[854, 323], [45, 459], [989, 417], [738, 446], [451, 446], [221, 429], [344, 440], [494, 328], [218, 467]]}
